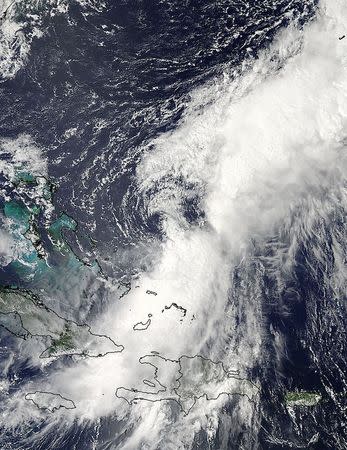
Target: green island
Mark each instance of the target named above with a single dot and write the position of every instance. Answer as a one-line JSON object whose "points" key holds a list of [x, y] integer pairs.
{"points": [[302, 398]]}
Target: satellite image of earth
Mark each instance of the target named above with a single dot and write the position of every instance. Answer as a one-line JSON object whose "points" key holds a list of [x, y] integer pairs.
{"points": [[173, 246]]}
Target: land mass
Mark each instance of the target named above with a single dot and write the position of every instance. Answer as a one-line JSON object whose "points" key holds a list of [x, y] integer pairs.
{"points": [[49, 401], [24, 315], [185, 381]]}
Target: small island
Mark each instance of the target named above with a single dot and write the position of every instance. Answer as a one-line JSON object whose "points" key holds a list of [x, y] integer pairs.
{"points": [[49, 401], [302, 398]]}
